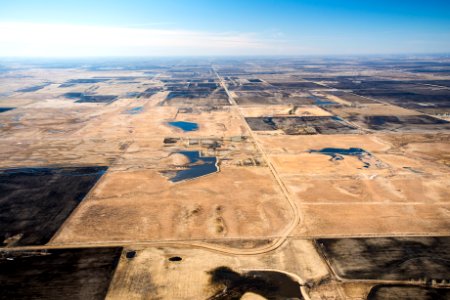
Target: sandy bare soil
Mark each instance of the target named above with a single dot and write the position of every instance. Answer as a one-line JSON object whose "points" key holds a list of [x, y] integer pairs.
{"points": [[379, 168], [234, 203], [150, 272]]}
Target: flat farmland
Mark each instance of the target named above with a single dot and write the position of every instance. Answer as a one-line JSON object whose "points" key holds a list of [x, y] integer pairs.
{"points": [[308, 178]]}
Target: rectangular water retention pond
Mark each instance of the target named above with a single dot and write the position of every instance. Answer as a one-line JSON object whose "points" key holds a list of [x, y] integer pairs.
{"points": [[57, 273], [36, 201]]}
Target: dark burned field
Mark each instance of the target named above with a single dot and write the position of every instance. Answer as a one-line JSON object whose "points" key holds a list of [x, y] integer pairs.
{"points": [[395, 292], [291, 125], [389, 258], [352, 98], [420, 95], [33, 88], [269, 98], [195, 92], [83, 98], [273, 220], [402, 123], [201, 98], [57, 274], [35, 202]]}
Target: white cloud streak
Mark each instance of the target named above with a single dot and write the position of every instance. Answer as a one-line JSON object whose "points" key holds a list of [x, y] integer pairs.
{"points": [[66, 40]]}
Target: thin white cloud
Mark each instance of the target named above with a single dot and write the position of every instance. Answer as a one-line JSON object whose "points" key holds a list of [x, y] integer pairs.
{"points": [[64, 40]]}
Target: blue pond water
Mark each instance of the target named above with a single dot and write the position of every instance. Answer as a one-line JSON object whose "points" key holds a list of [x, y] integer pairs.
{"points": [[134, 110], [198, 166], [319, 101], [3, 109], [338, 153], [185, 126]]}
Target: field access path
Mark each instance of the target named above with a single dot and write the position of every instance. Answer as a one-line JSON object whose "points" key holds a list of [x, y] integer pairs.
{"points": [[296, 219]]}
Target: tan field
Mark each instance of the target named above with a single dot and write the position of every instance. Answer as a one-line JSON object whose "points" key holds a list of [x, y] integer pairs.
{"points": [[147, 208], [282, 110], [209, 208], [189, 278]]}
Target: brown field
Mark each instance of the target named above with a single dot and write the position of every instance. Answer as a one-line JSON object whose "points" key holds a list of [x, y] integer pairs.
{"points": [[359, 189], [282, 110], [146, 207], [373, 219], [374, 109], [298, 144], [272, 194], [150, 273]]}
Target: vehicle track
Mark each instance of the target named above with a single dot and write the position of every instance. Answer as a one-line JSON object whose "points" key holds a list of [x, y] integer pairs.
{"points": [[296, 214]]}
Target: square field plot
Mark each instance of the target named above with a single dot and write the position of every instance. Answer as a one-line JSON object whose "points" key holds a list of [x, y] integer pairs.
{"points": [[399, 189], [35, 202], [144, 205], [387, 291], [57, 274], [270, 97], [297, 85], [200, 97], [402, 123], [282, 110], [318, 164], [302, 125], [373, 219], [389, 258], [83, 98]]}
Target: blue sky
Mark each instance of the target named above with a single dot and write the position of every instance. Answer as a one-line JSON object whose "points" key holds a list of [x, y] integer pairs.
{"points": [[219, 27]]}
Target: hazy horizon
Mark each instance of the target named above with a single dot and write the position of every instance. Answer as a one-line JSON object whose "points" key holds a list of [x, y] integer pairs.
{"points": [[222, 28]]}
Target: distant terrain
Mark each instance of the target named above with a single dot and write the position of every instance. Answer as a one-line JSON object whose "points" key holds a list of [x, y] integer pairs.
{"points": [[227, 178]]}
